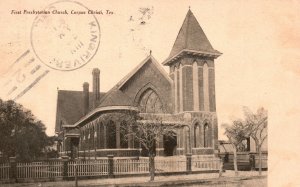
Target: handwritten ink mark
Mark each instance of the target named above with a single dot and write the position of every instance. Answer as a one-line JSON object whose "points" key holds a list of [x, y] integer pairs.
{"points": [[29, 62], [20, 76], [12, 90], [35, 69]]}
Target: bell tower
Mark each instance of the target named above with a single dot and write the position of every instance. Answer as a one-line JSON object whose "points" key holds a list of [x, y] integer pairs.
{"points": [[191, 63]]}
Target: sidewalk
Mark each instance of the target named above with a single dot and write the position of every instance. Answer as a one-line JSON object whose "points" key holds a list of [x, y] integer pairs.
{"points": [[213, 178]]}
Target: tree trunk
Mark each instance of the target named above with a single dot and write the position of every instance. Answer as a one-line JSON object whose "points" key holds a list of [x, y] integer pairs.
{"points": [[151, 167], [235, 161], [260, 160]]}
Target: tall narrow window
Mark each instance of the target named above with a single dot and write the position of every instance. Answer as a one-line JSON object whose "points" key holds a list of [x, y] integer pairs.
{"points": [[196, 135], [111, 135], [123, 135], [102, 137], [98, 136], [205, 135]]}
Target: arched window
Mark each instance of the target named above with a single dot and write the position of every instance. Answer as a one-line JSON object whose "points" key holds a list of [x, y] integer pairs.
{"points": [[196, 135], [111, 135], [102, 137], [86, 139], [124, 135], [205, 135], [150, 102]]}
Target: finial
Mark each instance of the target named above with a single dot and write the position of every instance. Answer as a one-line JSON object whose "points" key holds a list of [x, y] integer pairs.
{"points": [[189, 7], [150, 52]]}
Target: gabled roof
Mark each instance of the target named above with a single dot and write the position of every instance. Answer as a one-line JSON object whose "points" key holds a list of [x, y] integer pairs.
{"points": [[69, 107], [138, 67], [191, 37], [115, 99]]}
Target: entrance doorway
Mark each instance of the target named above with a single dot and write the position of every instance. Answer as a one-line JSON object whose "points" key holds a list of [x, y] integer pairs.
{"points": [[170, 143]]}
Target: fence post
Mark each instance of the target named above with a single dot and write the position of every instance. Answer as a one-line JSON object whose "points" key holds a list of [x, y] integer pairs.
{"points": [[110, 166], [12, 169], [252, 161], [76, 172], [188, 163], [65, 169], [221, 167]]}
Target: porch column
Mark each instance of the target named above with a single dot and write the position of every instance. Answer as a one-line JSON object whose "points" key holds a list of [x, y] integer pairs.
{"points": [[89, 142], [189, 145], [104, 137], [118, 135], [179, 147], [98, 135], [187, 139], [130, 138], [95, 140]]}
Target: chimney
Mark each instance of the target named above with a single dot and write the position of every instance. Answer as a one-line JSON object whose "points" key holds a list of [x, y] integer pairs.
{"points": [[85, 98], [96, 87]]}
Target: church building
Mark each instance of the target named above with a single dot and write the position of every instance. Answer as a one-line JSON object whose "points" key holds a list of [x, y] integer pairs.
{"points": [[185, 96]]}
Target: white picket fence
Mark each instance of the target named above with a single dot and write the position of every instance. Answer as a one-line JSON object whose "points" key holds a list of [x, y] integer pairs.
{"points": [[100, 167], [37, 170], [88, 168], [4, 171], [264, 162], [206, 164], [170, 164], [128, 166]]}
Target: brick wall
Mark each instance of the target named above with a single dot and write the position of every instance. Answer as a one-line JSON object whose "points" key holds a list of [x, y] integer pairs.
{"points": [[149, 73], [212, 98], [187, 86]]}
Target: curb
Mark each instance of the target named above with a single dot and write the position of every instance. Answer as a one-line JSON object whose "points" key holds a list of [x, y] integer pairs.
{"points": [[211, 181]]}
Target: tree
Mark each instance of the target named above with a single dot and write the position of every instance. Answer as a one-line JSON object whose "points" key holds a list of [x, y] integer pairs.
{"points": [[236, 133], [22, 135], [257, 124], [50, 150], [147, 133]]}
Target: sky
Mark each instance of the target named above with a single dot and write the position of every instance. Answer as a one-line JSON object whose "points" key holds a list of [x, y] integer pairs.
{"points": [[259, 66]]}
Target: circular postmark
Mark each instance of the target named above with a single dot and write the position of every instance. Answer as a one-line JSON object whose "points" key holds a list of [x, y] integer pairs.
{"points": [[65, 37]]}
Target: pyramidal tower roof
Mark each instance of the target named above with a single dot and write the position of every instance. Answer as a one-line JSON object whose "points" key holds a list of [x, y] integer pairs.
{"points": [[191, 38]]}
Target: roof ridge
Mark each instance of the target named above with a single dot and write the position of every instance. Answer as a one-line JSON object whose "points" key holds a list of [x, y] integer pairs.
{"points": [[78, 91], [187, 28], [139, 66]]}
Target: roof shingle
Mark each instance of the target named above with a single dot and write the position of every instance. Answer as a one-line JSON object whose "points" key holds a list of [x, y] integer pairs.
{"points": [[69, 107], [191, 37]]}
